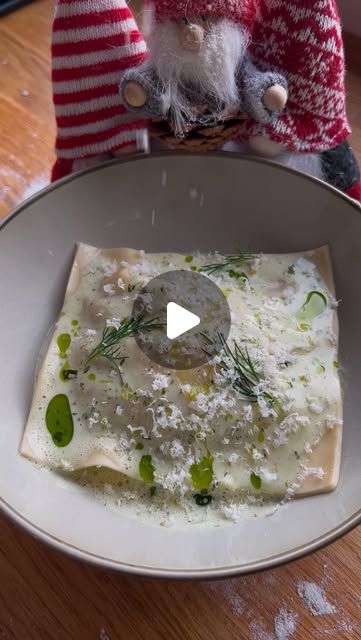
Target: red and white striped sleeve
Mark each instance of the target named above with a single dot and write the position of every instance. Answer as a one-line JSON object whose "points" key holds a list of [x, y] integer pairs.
{"points": [[93, 43]]}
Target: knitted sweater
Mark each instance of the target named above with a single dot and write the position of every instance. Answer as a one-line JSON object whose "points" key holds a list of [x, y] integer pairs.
{"points": [[304, 41], [93, 42]]}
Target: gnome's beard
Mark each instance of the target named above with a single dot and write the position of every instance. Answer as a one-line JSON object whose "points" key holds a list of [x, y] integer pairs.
{"points": [[209, 74]]}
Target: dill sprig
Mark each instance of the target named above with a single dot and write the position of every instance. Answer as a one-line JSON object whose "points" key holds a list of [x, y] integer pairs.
{"points": [[227, 262], [109, 348], [239, 362]]}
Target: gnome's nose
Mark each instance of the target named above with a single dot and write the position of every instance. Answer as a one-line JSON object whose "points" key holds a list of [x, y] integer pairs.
{"points": [[191, 36]]}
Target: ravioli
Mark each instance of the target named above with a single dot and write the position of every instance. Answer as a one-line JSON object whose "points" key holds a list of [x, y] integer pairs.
{"points": [[197, 432]]}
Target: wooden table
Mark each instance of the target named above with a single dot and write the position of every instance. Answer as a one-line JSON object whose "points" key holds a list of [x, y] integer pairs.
{"points": [[47, 596]]}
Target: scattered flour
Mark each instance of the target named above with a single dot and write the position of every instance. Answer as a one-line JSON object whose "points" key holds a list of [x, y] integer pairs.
{"points": [[314, 598], [35, 185], [357, 599], [258, 631], [285, 624], [345, 626], [230, 595]]}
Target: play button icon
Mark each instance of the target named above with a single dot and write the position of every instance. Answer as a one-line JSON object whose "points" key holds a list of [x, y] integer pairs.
{"points": [[179, 320], [190, 315]]}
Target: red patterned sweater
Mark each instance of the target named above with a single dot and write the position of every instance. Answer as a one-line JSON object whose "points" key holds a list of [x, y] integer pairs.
{"points": [[304, 41]]}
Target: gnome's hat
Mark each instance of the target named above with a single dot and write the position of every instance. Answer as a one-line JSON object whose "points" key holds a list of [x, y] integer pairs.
{"points": [[242, 11], [93, 43], [303, 40]]}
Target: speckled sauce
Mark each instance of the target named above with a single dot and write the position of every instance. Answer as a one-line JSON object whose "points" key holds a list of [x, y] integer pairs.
{"points": [[188, 443]]}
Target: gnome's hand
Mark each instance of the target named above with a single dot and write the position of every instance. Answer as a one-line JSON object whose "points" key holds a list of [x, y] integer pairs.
{"points": [[140, 92], [265, 94], [275, 98], [134, 95]]}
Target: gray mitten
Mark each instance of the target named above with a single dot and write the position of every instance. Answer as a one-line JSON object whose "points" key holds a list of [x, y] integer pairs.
{"points": [[142, 92], [264, 93]]}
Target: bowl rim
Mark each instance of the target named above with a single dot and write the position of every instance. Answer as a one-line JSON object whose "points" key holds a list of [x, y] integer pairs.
{"points": [[154, 572], [54, 186]]}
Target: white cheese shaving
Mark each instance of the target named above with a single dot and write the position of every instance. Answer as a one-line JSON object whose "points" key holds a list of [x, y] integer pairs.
{"points": [[267, 475], [93, 419], [316, 407], [113, 322], [234, 512], [109, 289], [317, 472], [307, 448], [121, 284], [333, 421], [108, 267], [146, 302], [304, 267], [160, 381]]}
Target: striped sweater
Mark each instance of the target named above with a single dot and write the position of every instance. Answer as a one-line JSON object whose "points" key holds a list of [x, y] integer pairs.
{"points": [[93, 42]]}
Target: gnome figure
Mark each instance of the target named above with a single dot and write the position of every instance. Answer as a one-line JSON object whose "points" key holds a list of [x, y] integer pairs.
{"points": [[280, 63], [198, 60], [93, 43], [303, 39]]}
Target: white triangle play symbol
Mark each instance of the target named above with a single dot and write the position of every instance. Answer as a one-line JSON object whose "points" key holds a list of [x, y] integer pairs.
{"points": [[179, 320]]}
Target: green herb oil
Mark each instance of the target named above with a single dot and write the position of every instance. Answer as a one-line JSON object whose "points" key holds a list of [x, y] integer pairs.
{"points": [[202, 473], [146, 469], [63, 342], [256, 481], [59, 420], [314, 306]]}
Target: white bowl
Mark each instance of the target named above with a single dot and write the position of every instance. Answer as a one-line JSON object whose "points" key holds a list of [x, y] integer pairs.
{"points": [[218, 201]]}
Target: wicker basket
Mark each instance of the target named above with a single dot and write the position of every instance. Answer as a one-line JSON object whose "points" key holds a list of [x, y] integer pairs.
{"points": [[198, 137]]}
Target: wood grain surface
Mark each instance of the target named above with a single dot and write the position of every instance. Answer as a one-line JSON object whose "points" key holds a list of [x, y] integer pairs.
{"points": [[45, 595]]}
